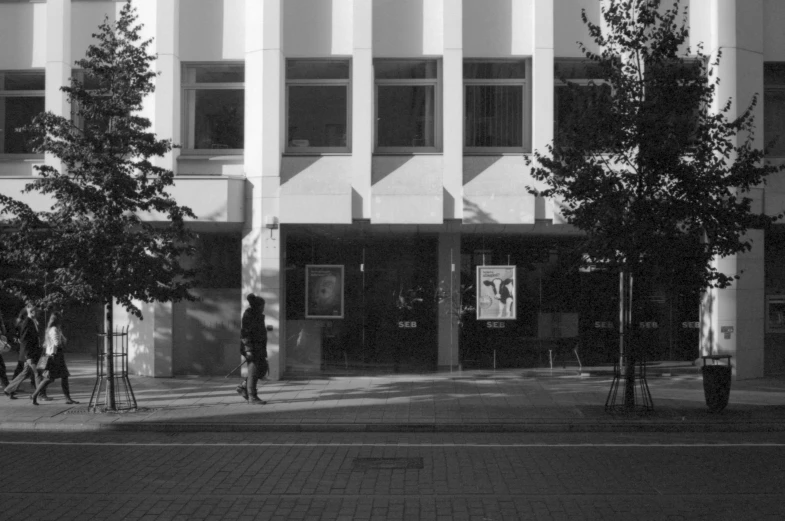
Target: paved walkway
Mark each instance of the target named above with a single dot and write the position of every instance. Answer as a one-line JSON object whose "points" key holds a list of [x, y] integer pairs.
{"points": [[517, 400]]}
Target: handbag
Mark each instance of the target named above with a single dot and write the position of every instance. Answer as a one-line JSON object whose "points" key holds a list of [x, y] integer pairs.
{"points": [[43, 363], [5, 345]]}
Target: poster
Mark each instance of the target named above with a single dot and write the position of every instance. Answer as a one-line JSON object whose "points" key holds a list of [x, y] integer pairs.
{"points": [[496, 293], [324, 291]]}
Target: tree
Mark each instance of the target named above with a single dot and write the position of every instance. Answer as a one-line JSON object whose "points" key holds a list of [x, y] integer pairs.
{"points": [[93, 245], [657, 179]]}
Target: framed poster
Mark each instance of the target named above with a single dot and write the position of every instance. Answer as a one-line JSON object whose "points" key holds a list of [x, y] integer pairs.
{"points": [[776, 314], [496, 293], [324, 291]]}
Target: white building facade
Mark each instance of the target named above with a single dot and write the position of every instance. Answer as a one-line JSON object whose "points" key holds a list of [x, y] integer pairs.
{"points": [[355, 161]]}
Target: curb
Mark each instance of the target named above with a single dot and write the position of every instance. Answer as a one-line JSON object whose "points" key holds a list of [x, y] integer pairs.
{"points": [[533, 427]]}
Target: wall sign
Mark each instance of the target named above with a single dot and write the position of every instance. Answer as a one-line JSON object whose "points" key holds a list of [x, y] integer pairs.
{"points": [[496, 293], [324, 291]]}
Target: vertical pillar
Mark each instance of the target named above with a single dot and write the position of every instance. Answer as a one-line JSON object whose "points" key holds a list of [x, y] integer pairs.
{"points": [[58, 62], [732, 319], [166, 112], [450, 284], [541, 82], [264, 115], [362, 108], [452, 71]]}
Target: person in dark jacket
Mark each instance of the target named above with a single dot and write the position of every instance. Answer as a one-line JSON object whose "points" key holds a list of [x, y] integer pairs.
{"points": [[253, 346], [4, 334], [29, 349]]}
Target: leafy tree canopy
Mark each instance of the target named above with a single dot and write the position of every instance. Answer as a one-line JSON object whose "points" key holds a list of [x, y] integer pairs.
{"points": [[658, 179], [93, 245]]}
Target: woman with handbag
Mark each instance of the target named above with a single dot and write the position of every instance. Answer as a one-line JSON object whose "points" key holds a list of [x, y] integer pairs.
{"points": [[52, 362]]}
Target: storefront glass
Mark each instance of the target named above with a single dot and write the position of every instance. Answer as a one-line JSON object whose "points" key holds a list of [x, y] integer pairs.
{"points": [[388, 321]]}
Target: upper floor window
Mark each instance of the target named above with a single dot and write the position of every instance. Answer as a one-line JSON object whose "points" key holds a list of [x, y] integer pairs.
{"points": [[317, 93], [22, 98], [573, 107], [407, 105], [774, 108], [214, 107], [497, 108]]}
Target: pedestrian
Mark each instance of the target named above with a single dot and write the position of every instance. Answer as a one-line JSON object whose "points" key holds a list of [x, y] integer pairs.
{"points": [[54, 347], [29, 350], [253, 346], [6, 342]]}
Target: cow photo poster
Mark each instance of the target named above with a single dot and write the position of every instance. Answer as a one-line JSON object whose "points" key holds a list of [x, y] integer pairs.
{"points": [[324, 291], [496, 293]]}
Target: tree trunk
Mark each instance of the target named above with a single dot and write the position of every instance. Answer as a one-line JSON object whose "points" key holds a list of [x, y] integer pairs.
{"points": [[626, 354], [109, 353]]}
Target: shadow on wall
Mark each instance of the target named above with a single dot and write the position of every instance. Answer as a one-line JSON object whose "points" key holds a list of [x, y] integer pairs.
{"points": [[16, 23], [386, 165], [206, 333], [473, 214], [475, 165], [308, 26]]}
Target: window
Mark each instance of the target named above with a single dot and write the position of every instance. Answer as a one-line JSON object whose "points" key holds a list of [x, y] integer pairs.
{"points": [[214, 107], [317, 93], [92, 84], [574, 107], [21, 99], [496, 106], [406, 105], [774, 109]]}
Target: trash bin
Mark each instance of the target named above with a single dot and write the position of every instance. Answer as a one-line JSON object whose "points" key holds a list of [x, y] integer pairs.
{"points": [[716, 382]]}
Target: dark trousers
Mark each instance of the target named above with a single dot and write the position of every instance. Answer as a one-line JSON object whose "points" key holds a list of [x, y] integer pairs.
{"points": [[20, 365], [257, 367], [27, 370], [3, 374]]}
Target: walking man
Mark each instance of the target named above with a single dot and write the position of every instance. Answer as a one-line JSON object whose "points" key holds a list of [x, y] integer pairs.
{"points": [[29, 349], [253, 346]]}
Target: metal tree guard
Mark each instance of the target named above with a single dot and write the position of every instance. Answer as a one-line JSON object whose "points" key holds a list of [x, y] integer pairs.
{"points": [[124, 394]]}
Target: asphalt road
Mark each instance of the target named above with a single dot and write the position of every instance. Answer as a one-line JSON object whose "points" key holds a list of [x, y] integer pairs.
{"points": [[153, 476]]}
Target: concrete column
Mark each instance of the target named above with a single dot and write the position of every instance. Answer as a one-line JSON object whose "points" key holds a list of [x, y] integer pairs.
{"points": [[452, 71], [161, 20], [740, 307], [541, 83], [58, 62], [264, 116], [362, 108], [450, 284]]}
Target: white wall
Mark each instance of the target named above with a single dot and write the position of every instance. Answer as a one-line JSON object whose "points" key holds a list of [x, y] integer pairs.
{"points": [[773, 32], [314, 28], [408, 28], [212, 30], [22, 36], [568, 28], [85, 19], [497, 28]]}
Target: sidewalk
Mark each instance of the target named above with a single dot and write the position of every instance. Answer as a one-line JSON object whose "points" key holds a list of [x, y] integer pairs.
{"points": [[510, 400]]}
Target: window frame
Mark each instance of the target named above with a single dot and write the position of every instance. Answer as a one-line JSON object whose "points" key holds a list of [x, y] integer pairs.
{"points": [[778, 88], [187, 111], [19, 94], [581, 82], [526, 106], [305, 151], [436, 83]]}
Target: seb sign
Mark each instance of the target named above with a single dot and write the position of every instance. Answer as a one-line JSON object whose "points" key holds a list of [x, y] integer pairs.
{"points": [[408, 324]]}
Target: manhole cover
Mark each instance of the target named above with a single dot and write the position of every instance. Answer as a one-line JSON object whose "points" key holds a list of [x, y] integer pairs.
{"points": [[387, 463]]}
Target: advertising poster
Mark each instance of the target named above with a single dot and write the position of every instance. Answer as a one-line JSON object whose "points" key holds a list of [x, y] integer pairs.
{"points": [[496, 293], [323, 291]]}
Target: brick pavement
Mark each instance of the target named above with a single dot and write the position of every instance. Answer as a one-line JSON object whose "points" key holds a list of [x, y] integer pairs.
{"points": [[146, 477], [505, 400]]}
